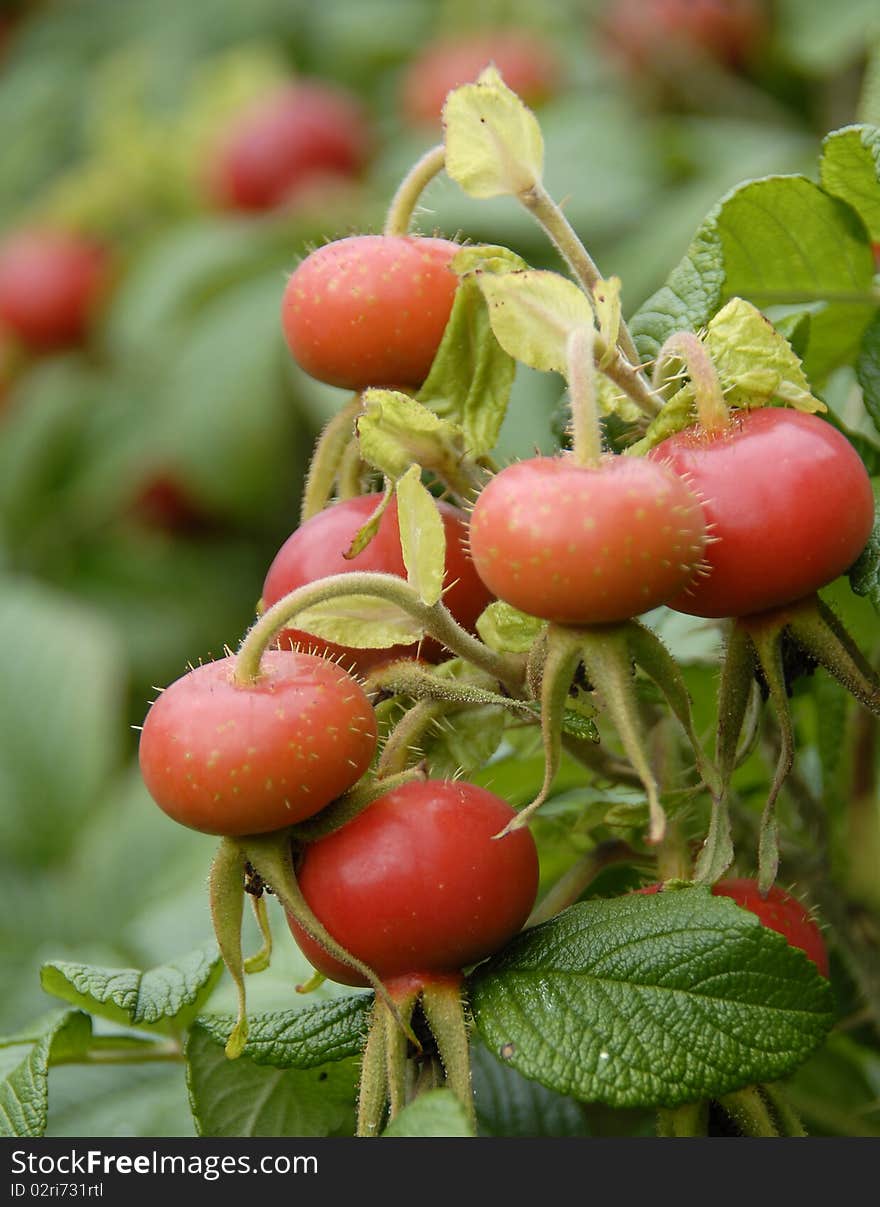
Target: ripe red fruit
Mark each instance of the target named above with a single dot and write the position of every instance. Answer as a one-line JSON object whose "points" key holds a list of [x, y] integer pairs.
{"points": [[781, 912], [370, 310], [526, 61], [787, 500], [50, 285], [640, 31], [229, 759], [281, 146], [417, 884], [315, 550], [582, 545]]}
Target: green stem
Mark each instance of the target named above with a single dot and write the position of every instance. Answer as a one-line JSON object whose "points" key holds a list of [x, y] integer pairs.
{"points": [[571, 885], [404, 201], [686, 347], [226, 895], [324, 466], [351, 472], [436, 621], [169, 1053], [402, 744], [565, 239], [581, 373], [346, 807]]}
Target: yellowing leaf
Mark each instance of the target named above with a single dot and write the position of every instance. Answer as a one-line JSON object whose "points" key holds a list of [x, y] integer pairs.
{"points": [[606, 298], [361, 621], [396, 432], [754, 362], [507, 630], [488, 258], [494, 145], [422, 536], [533, 313]]}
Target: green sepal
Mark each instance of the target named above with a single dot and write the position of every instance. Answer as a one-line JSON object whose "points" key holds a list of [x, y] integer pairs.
{"points": [[563, 656], [608, 661], [444, 1010], [226, 895], [261, 959], [766, 638], [654, 658]]}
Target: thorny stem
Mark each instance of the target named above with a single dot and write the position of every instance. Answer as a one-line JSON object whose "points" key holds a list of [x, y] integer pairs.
{"points": [[581, 374], [435, 619], [712, 410], [404, 201], [401, 745]]}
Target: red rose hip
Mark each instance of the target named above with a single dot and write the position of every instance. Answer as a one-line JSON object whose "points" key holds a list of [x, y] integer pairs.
{"points": [[788, 503], [370, 310], [586, 545], [418, 884], [234, 759]]}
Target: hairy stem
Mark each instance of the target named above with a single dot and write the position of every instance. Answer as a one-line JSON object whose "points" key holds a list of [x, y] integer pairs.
{"points": [[581, 372], [686, 347], [436, 621], [410, 189]]}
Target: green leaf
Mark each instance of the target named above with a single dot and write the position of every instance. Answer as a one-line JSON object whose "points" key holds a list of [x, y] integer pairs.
{"points": [[396, 432], [868, 370], [422, 537], [849, 168], [164, 999], [24, 1069], [864, 577], [507, 630], [471, 375], [300, 1039], [838, 1090], [509, 1105], [494, 146], [651, 1001], [364, 622], [533, 313], [60, 712], [777, 241], [436, 1113], [241, 1098]]}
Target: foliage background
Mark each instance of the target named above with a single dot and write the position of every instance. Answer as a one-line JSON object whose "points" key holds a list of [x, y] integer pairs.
{"points": [[108, 110]]}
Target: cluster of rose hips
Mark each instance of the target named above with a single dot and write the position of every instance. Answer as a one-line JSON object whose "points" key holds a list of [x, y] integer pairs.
{"points": [[400, 882]]}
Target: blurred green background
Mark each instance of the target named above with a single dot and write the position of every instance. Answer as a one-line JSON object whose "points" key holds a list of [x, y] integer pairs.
{"points": [[148, 475]]}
